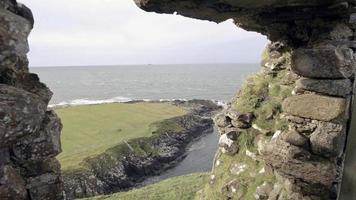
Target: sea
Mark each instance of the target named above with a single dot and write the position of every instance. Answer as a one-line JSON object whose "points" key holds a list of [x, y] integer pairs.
{"points": [[99, 84], [82, 85]]}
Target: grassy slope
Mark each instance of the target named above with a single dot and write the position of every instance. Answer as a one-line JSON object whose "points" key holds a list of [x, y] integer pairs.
{"points": [[90, 130], [182, 188]]}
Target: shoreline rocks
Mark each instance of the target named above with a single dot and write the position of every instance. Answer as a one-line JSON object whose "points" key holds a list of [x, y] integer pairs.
{"points": [[118, 170]]}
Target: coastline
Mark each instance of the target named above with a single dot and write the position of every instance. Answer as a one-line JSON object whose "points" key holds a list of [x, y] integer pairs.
{"points": [[83, 102], [121, 168]]}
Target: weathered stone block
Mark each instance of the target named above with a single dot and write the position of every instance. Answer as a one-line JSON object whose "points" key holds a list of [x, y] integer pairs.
{"points": [[275, 64], [21, 114], [36, 168], [324, 63], [301, 125], [294, 162], [314, 106], [221, 120], [12, 186], [14, 36], [240, 120], [295, 138], [341, 87], [45, 187], [43, 144], [228, 145], [328, 139], [31, 83], [341, 32]]}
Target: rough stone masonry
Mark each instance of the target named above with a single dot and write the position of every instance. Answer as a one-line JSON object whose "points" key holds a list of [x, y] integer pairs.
{"points": [[312, 50], [312, 53]]}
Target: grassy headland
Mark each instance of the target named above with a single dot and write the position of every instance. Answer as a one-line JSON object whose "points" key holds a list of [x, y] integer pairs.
{"points": [[182, 188], [91, 130]]}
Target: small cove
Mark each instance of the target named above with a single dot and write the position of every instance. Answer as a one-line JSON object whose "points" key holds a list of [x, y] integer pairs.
{"points": [[199, 158]]}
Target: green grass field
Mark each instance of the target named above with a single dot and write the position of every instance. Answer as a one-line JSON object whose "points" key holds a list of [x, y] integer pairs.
{"points": [[177, 188], [90, 130]]}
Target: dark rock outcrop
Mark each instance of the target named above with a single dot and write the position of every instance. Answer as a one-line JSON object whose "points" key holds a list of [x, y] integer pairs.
{"points": [[29, 134]]}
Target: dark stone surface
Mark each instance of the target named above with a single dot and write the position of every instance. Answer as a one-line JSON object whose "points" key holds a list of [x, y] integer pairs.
{"points": [[240, 120], [43, 144], [21, 114], [323, 63], [12, 185], [29, 134], [46, 186], [328, 139], [298, 164], [340, 88], [294, 22], [295, 138]]}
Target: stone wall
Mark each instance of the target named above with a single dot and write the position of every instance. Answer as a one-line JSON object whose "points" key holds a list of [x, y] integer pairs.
{"points": [[29, 134], [302, 158], [283, 136], [293, 146]]}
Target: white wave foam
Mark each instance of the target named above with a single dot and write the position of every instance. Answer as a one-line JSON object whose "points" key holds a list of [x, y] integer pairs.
{"points": [[78, 102], [220, 103]]}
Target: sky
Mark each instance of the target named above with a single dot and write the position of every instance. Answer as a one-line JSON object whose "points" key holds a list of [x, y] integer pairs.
{"points": [[116, 32]]}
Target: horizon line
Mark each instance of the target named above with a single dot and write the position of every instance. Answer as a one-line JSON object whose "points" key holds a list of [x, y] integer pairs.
{"points": [[118, 65]]}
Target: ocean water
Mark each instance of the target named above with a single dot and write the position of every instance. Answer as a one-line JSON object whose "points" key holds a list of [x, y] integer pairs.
{"points": [[92, 85], [95, 84]]}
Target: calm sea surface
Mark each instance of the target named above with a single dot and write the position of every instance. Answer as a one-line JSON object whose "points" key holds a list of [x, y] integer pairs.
{"points": [[86, 85], [122, 83]]}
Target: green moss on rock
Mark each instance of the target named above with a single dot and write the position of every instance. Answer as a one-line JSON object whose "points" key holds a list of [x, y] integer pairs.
{"points": [[248, 179], [262, 94]]}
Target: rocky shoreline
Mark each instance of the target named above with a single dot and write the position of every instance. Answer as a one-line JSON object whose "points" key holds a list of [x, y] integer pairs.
{"points": [[128, 164]]}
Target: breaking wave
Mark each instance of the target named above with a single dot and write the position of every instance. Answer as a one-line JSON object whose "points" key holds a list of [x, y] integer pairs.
{"points": [[79, 102]]}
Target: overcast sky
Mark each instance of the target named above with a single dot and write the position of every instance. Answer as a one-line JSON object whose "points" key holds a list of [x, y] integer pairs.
{"points": [[110, 32]]}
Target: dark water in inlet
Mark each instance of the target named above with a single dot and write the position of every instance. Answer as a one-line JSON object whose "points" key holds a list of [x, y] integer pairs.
{"points": [[199, 159], [100, 84]]}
